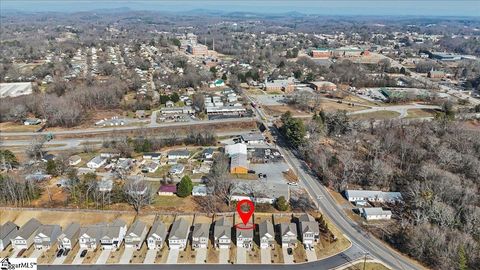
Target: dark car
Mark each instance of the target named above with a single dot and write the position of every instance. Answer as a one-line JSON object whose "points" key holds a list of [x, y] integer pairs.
{"points": [[84, 252], [59, 253], [65, 253], [289, 251]]}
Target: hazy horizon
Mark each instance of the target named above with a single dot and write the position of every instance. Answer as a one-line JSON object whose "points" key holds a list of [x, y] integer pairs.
{"points": [[343, 7]]}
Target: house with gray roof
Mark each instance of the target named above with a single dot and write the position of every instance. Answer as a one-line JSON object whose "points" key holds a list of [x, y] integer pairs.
{"points": [[26, 234], [222, 233], [309, 230], [375, 213], [288, 233], [253, 138], [136, 235], [69, 237], [47, 236], [200, 235], [178, 154], [244, 238], [179, 234], [112, 235], [89, 236], [7, 231], [266, 234], [156, 236]]}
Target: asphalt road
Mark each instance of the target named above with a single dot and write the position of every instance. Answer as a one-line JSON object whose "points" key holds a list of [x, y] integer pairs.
{"points": [[349, 255], [366, 244]]}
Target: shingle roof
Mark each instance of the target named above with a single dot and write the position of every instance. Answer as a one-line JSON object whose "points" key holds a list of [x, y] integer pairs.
{"points": [[71, 230], [158, 229], [201, 230], [266, 229], [180, 229], [29, 228], [6, 228], [288, 227], [136, 228], [222, 227]]}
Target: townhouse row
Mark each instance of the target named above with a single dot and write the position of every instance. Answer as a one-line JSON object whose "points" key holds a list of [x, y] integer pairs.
{"points": [[110, 236]]}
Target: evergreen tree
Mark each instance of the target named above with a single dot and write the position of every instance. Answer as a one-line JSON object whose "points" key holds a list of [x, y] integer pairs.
{"points": [[185, 187], [282, 204], [462, 258]]}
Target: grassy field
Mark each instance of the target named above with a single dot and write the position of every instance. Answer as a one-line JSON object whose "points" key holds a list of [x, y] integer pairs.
{"points": [[380, 115], [368, 266], [420, 113], [331, 106]]}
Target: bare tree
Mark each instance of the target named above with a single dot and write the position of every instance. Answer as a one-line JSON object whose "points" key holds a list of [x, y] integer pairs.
{"points": [[137, 194]]}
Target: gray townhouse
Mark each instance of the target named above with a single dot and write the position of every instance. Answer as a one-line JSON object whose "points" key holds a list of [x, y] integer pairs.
{"points": [[266, 234], [69, 237], [222, 233], [244, 238], [89, 236], [179, 234], [46, 236], [7, 231], [26, 234], [112, 235], [136, 235], [157, 235], [309, 230], [288, 233], [200, 235]]}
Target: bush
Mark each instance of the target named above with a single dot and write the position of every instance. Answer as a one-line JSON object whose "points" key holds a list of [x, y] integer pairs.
{"points": [[282, 204]]}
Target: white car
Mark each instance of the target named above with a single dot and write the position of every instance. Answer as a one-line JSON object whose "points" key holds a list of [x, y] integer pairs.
{"points": [[292, 183]]}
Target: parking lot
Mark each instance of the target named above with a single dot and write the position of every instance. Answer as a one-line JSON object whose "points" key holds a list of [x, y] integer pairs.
{"points": [[273, 170]]}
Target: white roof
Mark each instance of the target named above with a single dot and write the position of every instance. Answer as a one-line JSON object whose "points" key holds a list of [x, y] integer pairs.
{"points": [[238, 148]]}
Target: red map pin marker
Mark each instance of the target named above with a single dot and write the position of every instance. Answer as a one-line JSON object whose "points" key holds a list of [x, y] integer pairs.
{"points": [[245, 216]]}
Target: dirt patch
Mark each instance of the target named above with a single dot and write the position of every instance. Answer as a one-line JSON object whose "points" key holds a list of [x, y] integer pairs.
{"points": [[420, 113], [139, 254], [380, 115]]}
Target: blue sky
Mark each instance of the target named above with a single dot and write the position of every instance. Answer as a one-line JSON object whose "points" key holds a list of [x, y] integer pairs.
{"points": [[339, 7]]}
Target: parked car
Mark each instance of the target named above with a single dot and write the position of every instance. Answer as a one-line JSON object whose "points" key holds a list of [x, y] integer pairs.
{"points": [[65, 253], [84, 252], [59, 253], [289, 251], [292, 183]]}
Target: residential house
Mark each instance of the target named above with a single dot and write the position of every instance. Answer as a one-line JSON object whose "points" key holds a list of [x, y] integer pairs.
{"points": [[74, 160], [178, 154], [136, 235], [201, 190], [177, 169], [167, 190], [436, 74], [239, 164], [373, 196], [288, 233], [69, 238], [266, 234], [152, 156], [200, 235], [259, 192], [46, 236], [208, 153], [150, 167], [24, 238], [375, 213], [323, 86], [179, 234], [309, 230], [105, 185], [112, 235], [8, 231], [156, 236], [96, 162], [32, 122], [222, 233], [89, 236], [286, 85], [244, 238]]}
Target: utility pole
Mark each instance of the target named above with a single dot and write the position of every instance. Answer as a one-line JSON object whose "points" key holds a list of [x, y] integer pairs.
{"points": [[365, 260]]}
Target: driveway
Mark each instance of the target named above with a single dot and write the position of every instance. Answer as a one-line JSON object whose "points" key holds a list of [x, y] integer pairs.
{"points": [[266, 255], [78, 259], [224, 255], [150, 256], [127, 255], [201, 256], [102, 259], [36, 253], [59, 260], [173, 256], [241, 255], [288, 259], [311, 255]]}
